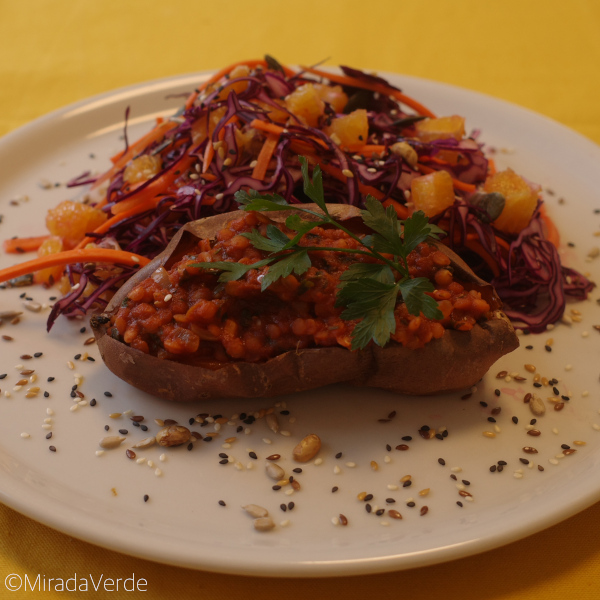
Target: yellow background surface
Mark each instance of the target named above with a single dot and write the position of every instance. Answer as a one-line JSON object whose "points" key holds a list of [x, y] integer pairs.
{"points": [[541, 54]]}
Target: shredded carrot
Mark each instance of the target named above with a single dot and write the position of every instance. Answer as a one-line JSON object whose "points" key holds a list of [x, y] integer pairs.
{"points": [[209, 153], [400, 209], [120, 161], [476, 247], [266, 126], [156, 187], [374, 87], [551, 230], [491, 166], [264, 157], [233, 119], [70, 257], [20, 245], [459, 185], [220, 74], [371, 149]]}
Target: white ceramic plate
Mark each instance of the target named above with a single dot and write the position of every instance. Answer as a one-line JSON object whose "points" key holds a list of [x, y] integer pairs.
{"points": [[100, 499]]}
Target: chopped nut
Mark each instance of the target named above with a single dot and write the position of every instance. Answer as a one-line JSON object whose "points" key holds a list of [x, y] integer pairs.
{"points": [[145, 443], [263, 524], [256, 511], [112, 441], [173, 435], [307, 448], [537, 406], [274, 471]]}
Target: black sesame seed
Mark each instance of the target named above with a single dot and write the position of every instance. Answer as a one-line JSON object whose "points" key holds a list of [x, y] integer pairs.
{"points": [[48, 435], [291, 506], [208, 439], [3, 375], [459, 503], [222, 503], [368, 497], [243, 416], [82, 330], [502, 462], [135, 424], [441, 461], [146, 497], [445, 433], [252, 455], [47, 395], [388, 447], [284, 412], [223, 455], [123, 431], [533, 421], [239, 429], [453, 476], [407, 438], [52, 448], [108, 394], [524, 461], [497, 392], [555, 391], [515, 420], [37, 354], [191, 421], [484, 404], [425, 428], [283, 507], [390, 501], [537, 384], [144, 427], [380, 512], [466, 482], [411, 504], [439, 436], [548, 348], [224, 461], [566, 398], [77, 357], [338, 455], [106, 428], [297, 470], [500, 468], [407, 483], [334, 489], [493, 468], [276, 487], [491, 419], [368, 508], [50, 379], [565, 446]]}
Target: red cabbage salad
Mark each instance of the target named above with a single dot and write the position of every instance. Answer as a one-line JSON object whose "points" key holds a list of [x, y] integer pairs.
{"points": [[245, 129]]}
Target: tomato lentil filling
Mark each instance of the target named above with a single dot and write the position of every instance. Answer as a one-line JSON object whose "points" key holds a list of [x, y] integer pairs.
{"points": [[185, 314]]}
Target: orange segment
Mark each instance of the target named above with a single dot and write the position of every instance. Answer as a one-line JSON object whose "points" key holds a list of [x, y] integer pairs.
{"points": [[432, 193], [350, 131], [441, 128]]}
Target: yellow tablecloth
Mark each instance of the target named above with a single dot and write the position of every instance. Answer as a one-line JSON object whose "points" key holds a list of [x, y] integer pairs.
{"points": [[541, 54]]}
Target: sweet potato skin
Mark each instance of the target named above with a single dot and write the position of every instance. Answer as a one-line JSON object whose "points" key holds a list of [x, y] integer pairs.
{"points": [[455, 361]]}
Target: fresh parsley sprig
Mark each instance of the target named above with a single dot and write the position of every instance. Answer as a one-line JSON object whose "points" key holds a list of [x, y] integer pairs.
{"points": [[367, 291]]}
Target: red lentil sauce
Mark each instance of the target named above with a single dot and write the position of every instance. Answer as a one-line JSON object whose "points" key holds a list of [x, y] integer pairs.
{"points": [[186, 315]]}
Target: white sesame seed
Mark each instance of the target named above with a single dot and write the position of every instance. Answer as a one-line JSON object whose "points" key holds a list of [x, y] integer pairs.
{"points": [[219, 197], [19, 367], [6, 394], [238, 465], [372, 170], [392, 486], [226, 445], [285, 523], [553, 461], [561, 455], [217, 427], [253, 164], [555, 430], [141, 460], [48, 420], [456, 469], [267, 441], [25, 435], [351, 465], [162, 457], [335, 520], [585, 334], [83, 403], [384, 523], [289, 492], [228, 161], [74, 407], [167, 297], [469, 498], [530, 465], [70, 365], [151, 464], [497, 429], [247, 431], [585, 394], [99, 452], [568, 367], [318, 461], [75, 287], [596, 426], [292, 420], [460, 486], [337, 470], [387, 459], [17, 388], [46, 426], [348, 173], [158, 472], [249, 465], [135, 259], [285, 433]]}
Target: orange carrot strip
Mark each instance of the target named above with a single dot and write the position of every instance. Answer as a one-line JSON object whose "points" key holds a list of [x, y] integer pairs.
{"points": [[265, 155], [154, 135], [476, 247], [266, 126], [158, 186], [459, 185], [71, 257], [400, 209], [491, 166], [225, 71], [371, 149], [209, 153], [503, 244], [233, 119], [551, 230], [374, 87], [20, 245]]}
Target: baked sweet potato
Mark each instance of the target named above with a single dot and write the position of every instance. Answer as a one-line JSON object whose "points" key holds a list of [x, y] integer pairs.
{"points": [[455, 361]]}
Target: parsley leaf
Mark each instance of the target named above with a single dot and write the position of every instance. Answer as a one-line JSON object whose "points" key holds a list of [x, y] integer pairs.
{"points": [[373, 302], [295, 223], [416, 230], [375, 271], [275, 241], [232, 270], [313, 189], [385, 224], [416, 300], [297, 262], [253, 200]]}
